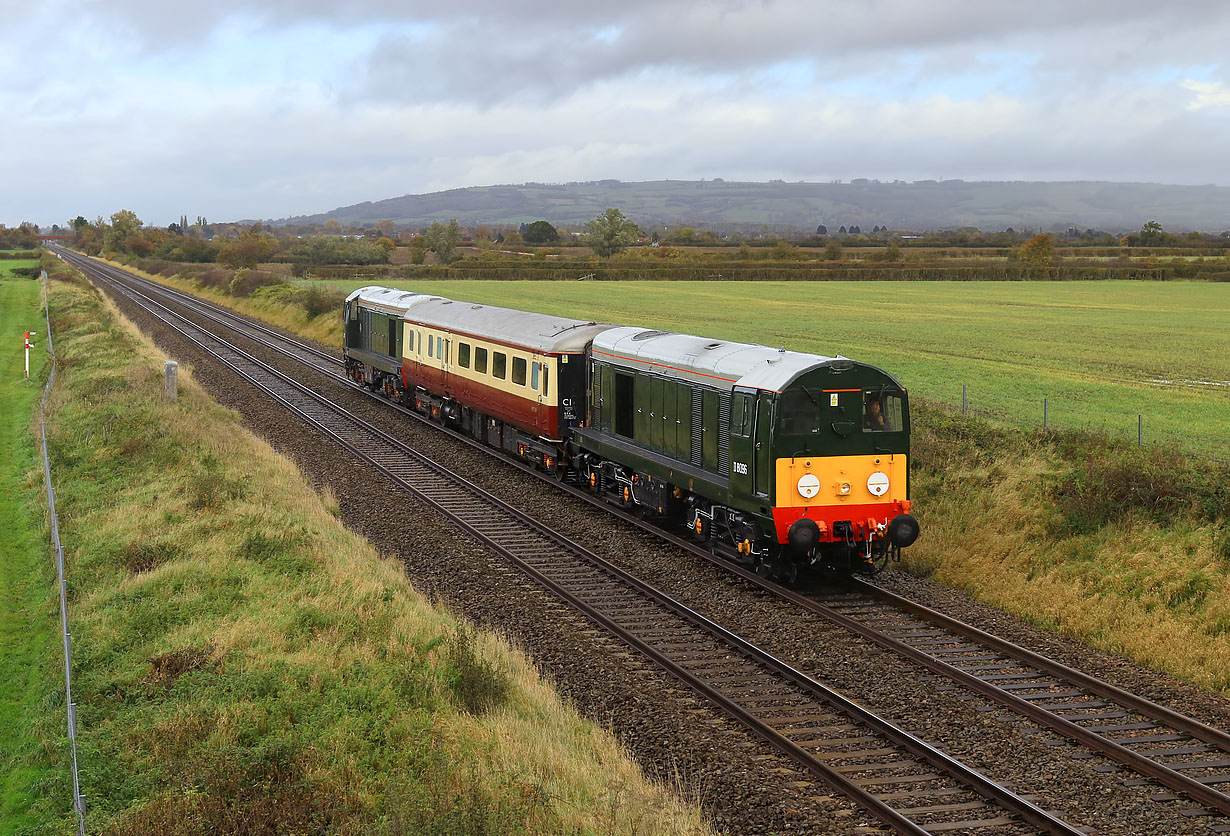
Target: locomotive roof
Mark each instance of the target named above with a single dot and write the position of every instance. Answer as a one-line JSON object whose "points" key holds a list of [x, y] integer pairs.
{"points": [[539, 332], [711, 362], [388, 298]]}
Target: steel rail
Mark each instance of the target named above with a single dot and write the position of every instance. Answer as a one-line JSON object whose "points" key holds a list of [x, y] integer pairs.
{"points": [[963, 775]]}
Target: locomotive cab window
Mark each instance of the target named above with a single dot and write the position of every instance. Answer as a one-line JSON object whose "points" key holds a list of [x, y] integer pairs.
{"points": [[882, 411], [802, 411]]}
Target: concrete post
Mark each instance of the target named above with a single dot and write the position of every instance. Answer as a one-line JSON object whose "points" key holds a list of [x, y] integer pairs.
{"points": [[170, 383]]}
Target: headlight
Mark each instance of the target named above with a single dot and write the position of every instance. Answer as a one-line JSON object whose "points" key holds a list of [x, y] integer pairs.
{"points": [[843, 488], [877, 483]]}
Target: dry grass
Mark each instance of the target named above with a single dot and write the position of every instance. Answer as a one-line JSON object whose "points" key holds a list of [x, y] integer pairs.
{"points": [[322, 326], [1154, 589], [247, 664]]}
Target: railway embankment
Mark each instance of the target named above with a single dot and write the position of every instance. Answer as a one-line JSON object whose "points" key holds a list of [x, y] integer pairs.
{"points": [[1124, 548], [243, 663]]}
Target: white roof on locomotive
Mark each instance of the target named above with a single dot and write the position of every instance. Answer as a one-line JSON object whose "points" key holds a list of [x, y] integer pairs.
{"points": [[388, 298], [534, 331], [716, 363]]}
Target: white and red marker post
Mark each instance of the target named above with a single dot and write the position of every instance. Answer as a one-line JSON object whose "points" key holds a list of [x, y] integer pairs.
{"points": [[29, 346]]}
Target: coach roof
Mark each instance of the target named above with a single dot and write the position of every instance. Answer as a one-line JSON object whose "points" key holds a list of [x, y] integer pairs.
{"points": [[716, 363], [388, 298], [538, 332]]}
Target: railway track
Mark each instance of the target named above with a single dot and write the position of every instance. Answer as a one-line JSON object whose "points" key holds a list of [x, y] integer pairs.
{"points": [[905, 783], [1190, 760]]}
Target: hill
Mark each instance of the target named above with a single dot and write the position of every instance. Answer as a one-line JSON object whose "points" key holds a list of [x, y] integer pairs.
{"points": [[721, 205]]}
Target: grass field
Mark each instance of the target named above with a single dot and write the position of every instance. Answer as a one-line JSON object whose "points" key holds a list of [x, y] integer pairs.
{"points": [[1101, 353], [27, 644], [7, 266]]}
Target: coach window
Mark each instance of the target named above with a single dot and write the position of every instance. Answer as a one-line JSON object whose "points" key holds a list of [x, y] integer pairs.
{"points": [[546, 374], [431, 345], [463, 355], [499, 365], [518, 376], [480, 360], [440, 347], [534, 376], [409, 341]]}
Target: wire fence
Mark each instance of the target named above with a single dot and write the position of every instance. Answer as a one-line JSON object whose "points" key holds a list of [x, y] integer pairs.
{"points": [[66, 636], [1145, 429]]}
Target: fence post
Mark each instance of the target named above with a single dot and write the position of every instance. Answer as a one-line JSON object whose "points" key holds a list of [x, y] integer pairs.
{"points": [[962, 398], [170, 381]]}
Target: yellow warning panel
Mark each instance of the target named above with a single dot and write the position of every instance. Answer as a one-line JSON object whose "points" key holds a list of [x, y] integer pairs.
{"points": [[840, 480]]}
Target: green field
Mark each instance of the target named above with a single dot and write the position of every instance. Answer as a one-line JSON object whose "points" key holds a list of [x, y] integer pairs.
{"points": [[7, 266], [1101, 353], [27, 644]]}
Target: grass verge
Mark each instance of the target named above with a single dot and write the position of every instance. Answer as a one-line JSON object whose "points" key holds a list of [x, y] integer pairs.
{"points": [[1125, 549], [245, 664], [29, 652]]}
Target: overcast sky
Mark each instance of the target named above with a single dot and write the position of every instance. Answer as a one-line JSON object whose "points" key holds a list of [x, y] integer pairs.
{"points": [[254, 109]]}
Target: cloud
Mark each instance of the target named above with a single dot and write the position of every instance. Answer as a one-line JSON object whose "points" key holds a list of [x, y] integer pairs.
{"points": [[267, 109], [1207, 94]]}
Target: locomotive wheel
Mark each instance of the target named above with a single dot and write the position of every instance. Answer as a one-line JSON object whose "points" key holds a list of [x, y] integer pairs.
{"points": [[783, 571]]}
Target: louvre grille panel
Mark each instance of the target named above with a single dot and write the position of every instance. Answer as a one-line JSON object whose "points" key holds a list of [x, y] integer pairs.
{"points": [[697, 417]]}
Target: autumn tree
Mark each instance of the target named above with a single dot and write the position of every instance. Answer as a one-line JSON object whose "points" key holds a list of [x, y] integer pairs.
{"points": [[249, 250], [442, 239], [124, 225], [385, 228], [418, 249], [610, 233], [1037, 251]]}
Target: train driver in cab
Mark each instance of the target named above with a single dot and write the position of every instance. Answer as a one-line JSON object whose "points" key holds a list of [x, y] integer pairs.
{"points": [[873, 415]]}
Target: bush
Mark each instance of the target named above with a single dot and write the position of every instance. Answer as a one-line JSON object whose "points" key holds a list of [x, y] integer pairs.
{"points": [[318, 300], [247, 281], [1111, 479], [217, 278]]}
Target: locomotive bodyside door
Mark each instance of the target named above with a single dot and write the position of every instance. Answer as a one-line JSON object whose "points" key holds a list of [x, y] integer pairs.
{"points": [[763, 445]]}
